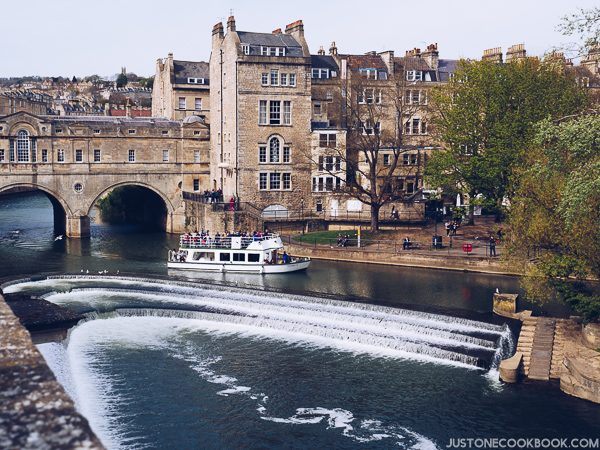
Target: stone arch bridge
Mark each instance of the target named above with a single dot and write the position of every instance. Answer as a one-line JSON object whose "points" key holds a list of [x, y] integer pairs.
{"points": [[77, 160]]}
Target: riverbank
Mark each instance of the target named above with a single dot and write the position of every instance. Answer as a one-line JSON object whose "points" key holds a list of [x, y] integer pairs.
{"points": [[467, 263], [35, 411]]}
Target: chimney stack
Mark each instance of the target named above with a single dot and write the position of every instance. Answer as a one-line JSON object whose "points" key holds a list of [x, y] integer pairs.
{"points": [[218, 30], [277, 31], [296, 27], [493, 55], [516, 52], [431, 56], [230, 24], [388, 59], [333, 50], [128, 109], [321, 51]]}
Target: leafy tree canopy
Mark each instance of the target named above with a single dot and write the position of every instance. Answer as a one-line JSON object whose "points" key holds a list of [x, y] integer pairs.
{"points": [[485, 120]]}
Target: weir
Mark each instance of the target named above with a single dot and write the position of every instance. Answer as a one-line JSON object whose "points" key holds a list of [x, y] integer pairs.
{"points": [[347, 326]]}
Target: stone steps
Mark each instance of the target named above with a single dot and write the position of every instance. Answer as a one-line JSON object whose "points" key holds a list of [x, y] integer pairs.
{"points": [[525, 342], [541, 349]]}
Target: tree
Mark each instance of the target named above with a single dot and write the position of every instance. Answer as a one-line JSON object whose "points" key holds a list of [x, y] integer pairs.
{"points": [[74, 79], [555, 213], [484, 118], [122, 80], [586, 24], [374, 115]]}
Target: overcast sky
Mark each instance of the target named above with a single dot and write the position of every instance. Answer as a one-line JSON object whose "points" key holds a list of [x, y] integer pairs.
{"points": [[84, 37]]}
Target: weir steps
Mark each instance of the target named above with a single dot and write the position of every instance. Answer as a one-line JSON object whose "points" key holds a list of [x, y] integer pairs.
{"points": [[541, 349], [525, 342]]}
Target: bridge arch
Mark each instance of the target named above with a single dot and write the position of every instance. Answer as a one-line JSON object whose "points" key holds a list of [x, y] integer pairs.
{"points": [[158, 211], [62, 210], [166, 200], [53, 195]]}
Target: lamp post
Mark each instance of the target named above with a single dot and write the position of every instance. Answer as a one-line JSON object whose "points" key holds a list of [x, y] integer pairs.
{"points": [[302, 213]]}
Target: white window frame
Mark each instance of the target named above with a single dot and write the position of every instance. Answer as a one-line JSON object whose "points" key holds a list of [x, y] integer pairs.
{"points": [[287, 112], [196, 156], [60, 155], [292, 79], [274, 77], [198, 104], [165, 155], [263, 107], [283, 79], [263, 180], [131, 156], [245, 49], [78, 155], [23, 146], [44, 155], [2, 155], [181, 101], [322, 74], [97, 155], [264, 79]]}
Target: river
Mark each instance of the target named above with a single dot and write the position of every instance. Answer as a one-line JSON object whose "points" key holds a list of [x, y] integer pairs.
{"points": [[342, 356]]}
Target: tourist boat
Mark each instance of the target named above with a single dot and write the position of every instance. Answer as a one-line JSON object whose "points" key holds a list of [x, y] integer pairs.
{"points": [[258, 254]]}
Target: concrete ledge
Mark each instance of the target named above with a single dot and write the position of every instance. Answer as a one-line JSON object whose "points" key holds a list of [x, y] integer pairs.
{"points": [[35, 411], [509, 368]]}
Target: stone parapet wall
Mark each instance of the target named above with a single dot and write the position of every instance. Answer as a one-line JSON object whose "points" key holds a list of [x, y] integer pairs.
{"points": [[35, 411]]}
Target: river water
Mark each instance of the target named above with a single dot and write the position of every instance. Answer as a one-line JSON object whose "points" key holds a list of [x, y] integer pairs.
{"points": [[342, 356]]}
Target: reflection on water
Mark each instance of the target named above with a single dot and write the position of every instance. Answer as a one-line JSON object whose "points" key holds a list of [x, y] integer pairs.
{"points": [[27, 246]]}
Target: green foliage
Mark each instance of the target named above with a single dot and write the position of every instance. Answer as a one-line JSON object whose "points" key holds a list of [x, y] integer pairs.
{"points": [[122, 80], [556, 208], [485, 119]]}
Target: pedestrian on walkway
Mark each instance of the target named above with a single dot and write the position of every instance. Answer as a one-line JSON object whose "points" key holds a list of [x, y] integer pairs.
{"points": [[492, 246]]}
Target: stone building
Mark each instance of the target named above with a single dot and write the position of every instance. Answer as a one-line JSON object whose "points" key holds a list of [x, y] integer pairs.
{"points": [[31, 102], [181, 89], [76, 160], [261, 115]]}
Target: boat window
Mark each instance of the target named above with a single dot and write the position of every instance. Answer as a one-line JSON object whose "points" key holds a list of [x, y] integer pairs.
{"points": [[205, 256], [239, 257], [253, 257], [225, 257]]}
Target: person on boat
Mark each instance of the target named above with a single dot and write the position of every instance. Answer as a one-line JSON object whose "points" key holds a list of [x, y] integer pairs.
{"points": [[285, 258]]}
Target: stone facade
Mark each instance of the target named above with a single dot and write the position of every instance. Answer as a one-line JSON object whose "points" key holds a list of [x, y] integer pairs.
{"points": [[181, 89], [76, 160], [261, 116]]}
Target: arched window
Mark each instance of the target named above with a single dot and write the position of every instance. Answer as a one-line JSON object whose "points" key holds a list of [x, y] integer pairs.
{"points": [[274, 148], [23, 146]]}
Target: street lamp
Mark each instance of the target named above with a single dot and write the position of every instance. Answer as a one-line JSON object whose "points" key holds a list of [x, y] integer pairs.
{"points": [[302, 213]]}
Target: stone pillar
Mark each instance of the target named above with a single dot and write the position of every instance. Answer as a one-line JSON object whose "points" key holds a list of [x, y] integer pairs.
{"points": [[78, 227]]}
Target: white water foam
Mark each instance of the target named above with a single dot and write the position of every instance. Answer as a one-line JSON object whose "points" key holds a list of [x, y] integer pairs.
{"points": [[97, 400]]}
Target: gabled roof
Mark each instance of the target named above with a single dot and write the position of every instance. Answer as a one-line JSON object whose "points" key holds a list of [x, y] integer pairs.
{"points": [[190, 69], [323, 62], [256, 40]]}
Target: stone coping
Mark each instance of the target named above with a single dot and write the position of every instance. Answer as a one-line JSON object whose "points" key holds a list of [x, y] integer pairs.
{"points": [[35, 411]]}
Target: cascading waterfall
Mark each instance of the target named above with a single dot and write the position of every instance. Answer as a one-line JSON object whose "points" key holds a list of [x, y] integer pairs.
{"points": [[138, 306], [355, 327]]}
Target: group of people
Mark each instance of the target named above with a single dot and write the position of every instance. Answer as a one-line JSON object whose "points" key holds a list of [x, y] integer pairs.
{"points": [[177, 256], [204, 239], [452, 227], [214, 196], [343, 240]]}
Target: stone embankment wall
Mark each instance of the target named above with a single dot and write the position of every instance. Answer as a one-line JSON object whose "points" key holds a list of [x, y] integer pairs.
{"points": [[465, 263], [35, 411]]}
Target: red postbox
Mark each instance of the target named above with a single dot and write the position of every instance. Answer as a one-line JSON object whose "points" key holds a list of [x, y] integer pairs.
{"points": [[467, 248]]}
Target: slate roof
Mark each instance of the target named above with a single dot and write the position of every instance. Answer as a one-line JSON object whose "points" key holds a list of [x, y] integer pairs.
{"points": [[115, 120], [412, 63], [446, 67], [190, 69], [323, 62], [366, 62], [256, 40]]}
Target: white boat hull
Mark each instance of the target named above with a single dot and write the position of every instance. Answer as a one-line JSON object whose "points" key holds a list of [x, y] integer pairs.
{"points": [[233, 267]]}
